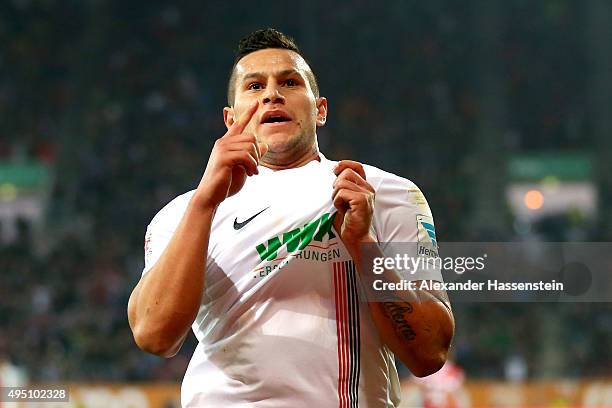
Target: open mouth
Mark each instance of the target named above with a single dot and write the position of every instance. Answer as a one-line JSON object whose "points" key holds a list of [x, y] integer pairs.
{"points": [[275, 117]]}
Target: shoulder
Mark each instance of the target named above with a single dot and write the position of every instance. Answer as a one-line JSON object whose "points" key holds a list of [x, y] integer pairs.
{"points": [[401, 212], [174, 210], [379, 178], [395, 191], [390, 185]]}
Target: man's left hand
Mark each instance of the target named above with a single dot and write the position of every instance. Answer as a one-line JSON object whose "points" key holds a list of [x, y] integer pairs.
{"points": [[353, 197]]}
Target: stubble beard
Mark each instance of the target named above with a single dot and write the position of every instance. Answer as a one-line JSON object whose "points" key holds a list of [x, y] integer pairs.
{"points": [[292, 150]]}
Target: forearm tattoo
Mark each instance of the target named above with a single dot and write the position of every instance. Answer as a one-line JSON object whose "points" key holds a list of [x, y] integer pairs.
{"points": [[397, 313]]}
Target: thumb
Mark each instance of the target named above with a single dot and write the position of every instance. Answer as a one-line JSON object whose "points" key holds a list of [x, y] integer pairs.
{"points": [[263, 149]]}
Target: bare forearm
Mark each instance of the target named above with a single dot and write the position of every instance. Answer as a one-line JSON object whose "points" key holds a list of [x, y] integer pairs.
{"points": [[417, 325], [165, 302], [418, 331]]}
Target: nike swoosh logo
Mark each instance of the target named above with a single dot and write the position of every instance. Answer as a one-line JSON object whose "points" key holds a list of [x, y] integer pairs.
{"points": [[238, 225]]}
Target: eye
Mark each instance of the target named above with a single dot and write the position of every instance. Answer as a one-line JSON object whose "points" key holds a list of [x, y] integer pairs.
{"points": [[254, 86], [291, 82]]}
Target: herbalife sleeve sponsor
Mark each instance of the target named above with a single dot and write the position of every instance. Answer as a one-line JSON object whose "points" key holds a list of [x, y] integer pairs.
{"points": [[299, 238], [426, 237]]}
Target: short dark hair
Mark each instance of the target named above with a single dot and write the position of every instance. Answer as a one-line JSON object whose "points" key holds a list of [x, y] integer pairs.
{"points": [[260, 40]]}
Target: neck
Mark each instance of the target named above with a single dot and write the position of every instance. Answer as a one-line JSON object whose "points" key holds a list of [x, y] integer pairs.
{"points": [[301, 160]]}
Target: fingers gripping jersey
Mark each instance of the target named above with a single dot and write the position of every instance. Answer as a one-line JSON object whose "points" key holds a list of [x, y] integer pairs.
{"points": [[281, 323]]}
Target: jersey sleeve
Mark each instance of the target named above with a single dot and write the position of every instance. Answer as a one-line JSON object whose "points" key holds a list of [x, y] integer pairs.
{"points": [[161, 229], [404, 225]]}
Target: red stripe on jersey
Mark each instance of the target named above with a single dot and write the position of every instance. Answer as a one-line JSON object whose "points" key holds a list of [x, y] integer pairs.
{"points": [[347, 329], [337, 288], [346, 339]]}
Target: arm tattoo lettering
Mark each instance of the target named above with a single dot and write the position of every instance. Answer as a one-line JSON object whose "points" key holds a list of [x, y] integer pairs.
{"points": [[396, 312]]}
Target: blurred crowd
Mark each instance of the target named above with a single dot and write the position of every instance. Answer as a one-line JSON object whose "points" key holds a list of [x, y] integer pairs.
{"points": [[124, 103]]}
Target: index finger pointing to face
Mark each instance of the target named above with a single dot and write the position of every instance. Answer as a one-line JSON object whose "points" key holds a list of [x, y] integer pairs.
{"points": [[239, 125]]}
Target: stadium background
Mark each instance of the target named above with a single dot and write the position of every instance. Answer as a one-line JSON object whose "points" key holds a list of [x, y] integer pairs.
{"points": [[109, 109]]}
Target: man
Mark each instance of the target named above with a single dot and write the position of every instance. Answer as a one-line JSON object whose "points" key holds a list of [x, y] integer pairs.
{"points": [[260, 259]]}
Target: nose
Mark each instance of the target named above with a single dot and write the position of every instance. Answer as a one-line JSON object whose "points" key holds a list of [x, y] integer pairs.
{"points": [[272, 95]]}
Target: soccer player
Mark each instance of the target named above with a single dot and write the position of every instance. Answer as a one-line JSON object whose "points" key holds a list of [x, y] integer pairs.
{"points": [[262, 259]]}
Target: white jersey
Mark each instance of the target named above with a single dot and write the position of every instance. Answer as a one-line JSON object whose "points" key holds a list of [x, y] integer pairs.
{"points": [[281, 323]]}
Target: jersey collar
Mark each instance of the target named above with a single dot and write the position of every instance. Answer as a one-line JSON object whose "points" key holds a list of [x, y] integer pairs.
{"points": [[320, 162]]}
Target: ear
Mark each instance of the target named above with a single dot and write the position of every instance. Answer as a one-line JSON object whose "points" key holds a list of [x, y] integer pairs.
{"points": [[321, 111], [228, 116]]}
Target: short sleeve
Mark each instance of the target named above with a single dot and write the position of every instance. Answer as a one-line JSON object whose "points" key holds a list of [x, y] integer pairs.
{"points": [[161, 229], [404, 224]]}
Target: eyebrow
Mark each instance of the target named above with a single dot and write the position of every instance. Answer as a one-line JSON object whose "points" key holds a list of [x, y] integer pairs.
{"points": [[286, 72]]}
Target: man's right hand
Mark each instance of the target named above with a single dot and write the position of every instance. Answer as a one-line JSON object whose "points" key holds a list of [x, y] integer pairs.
{"points": [[234, 157], [166, 300]]}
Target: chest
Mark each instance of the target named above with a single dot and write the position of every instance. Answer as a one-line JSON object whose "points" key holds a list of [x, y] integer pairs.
{"points": [[271, 218]]}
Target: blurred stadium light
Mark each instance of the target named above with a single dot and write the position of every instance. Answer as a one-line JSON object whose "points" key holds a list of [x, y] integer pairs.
{"points": [[24, 194], [549, 184]]}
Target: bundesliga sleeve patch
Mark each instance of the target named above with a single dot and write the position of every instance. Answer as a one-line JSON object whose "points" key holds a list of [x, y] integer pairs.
{"points": [[426, 232]]}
